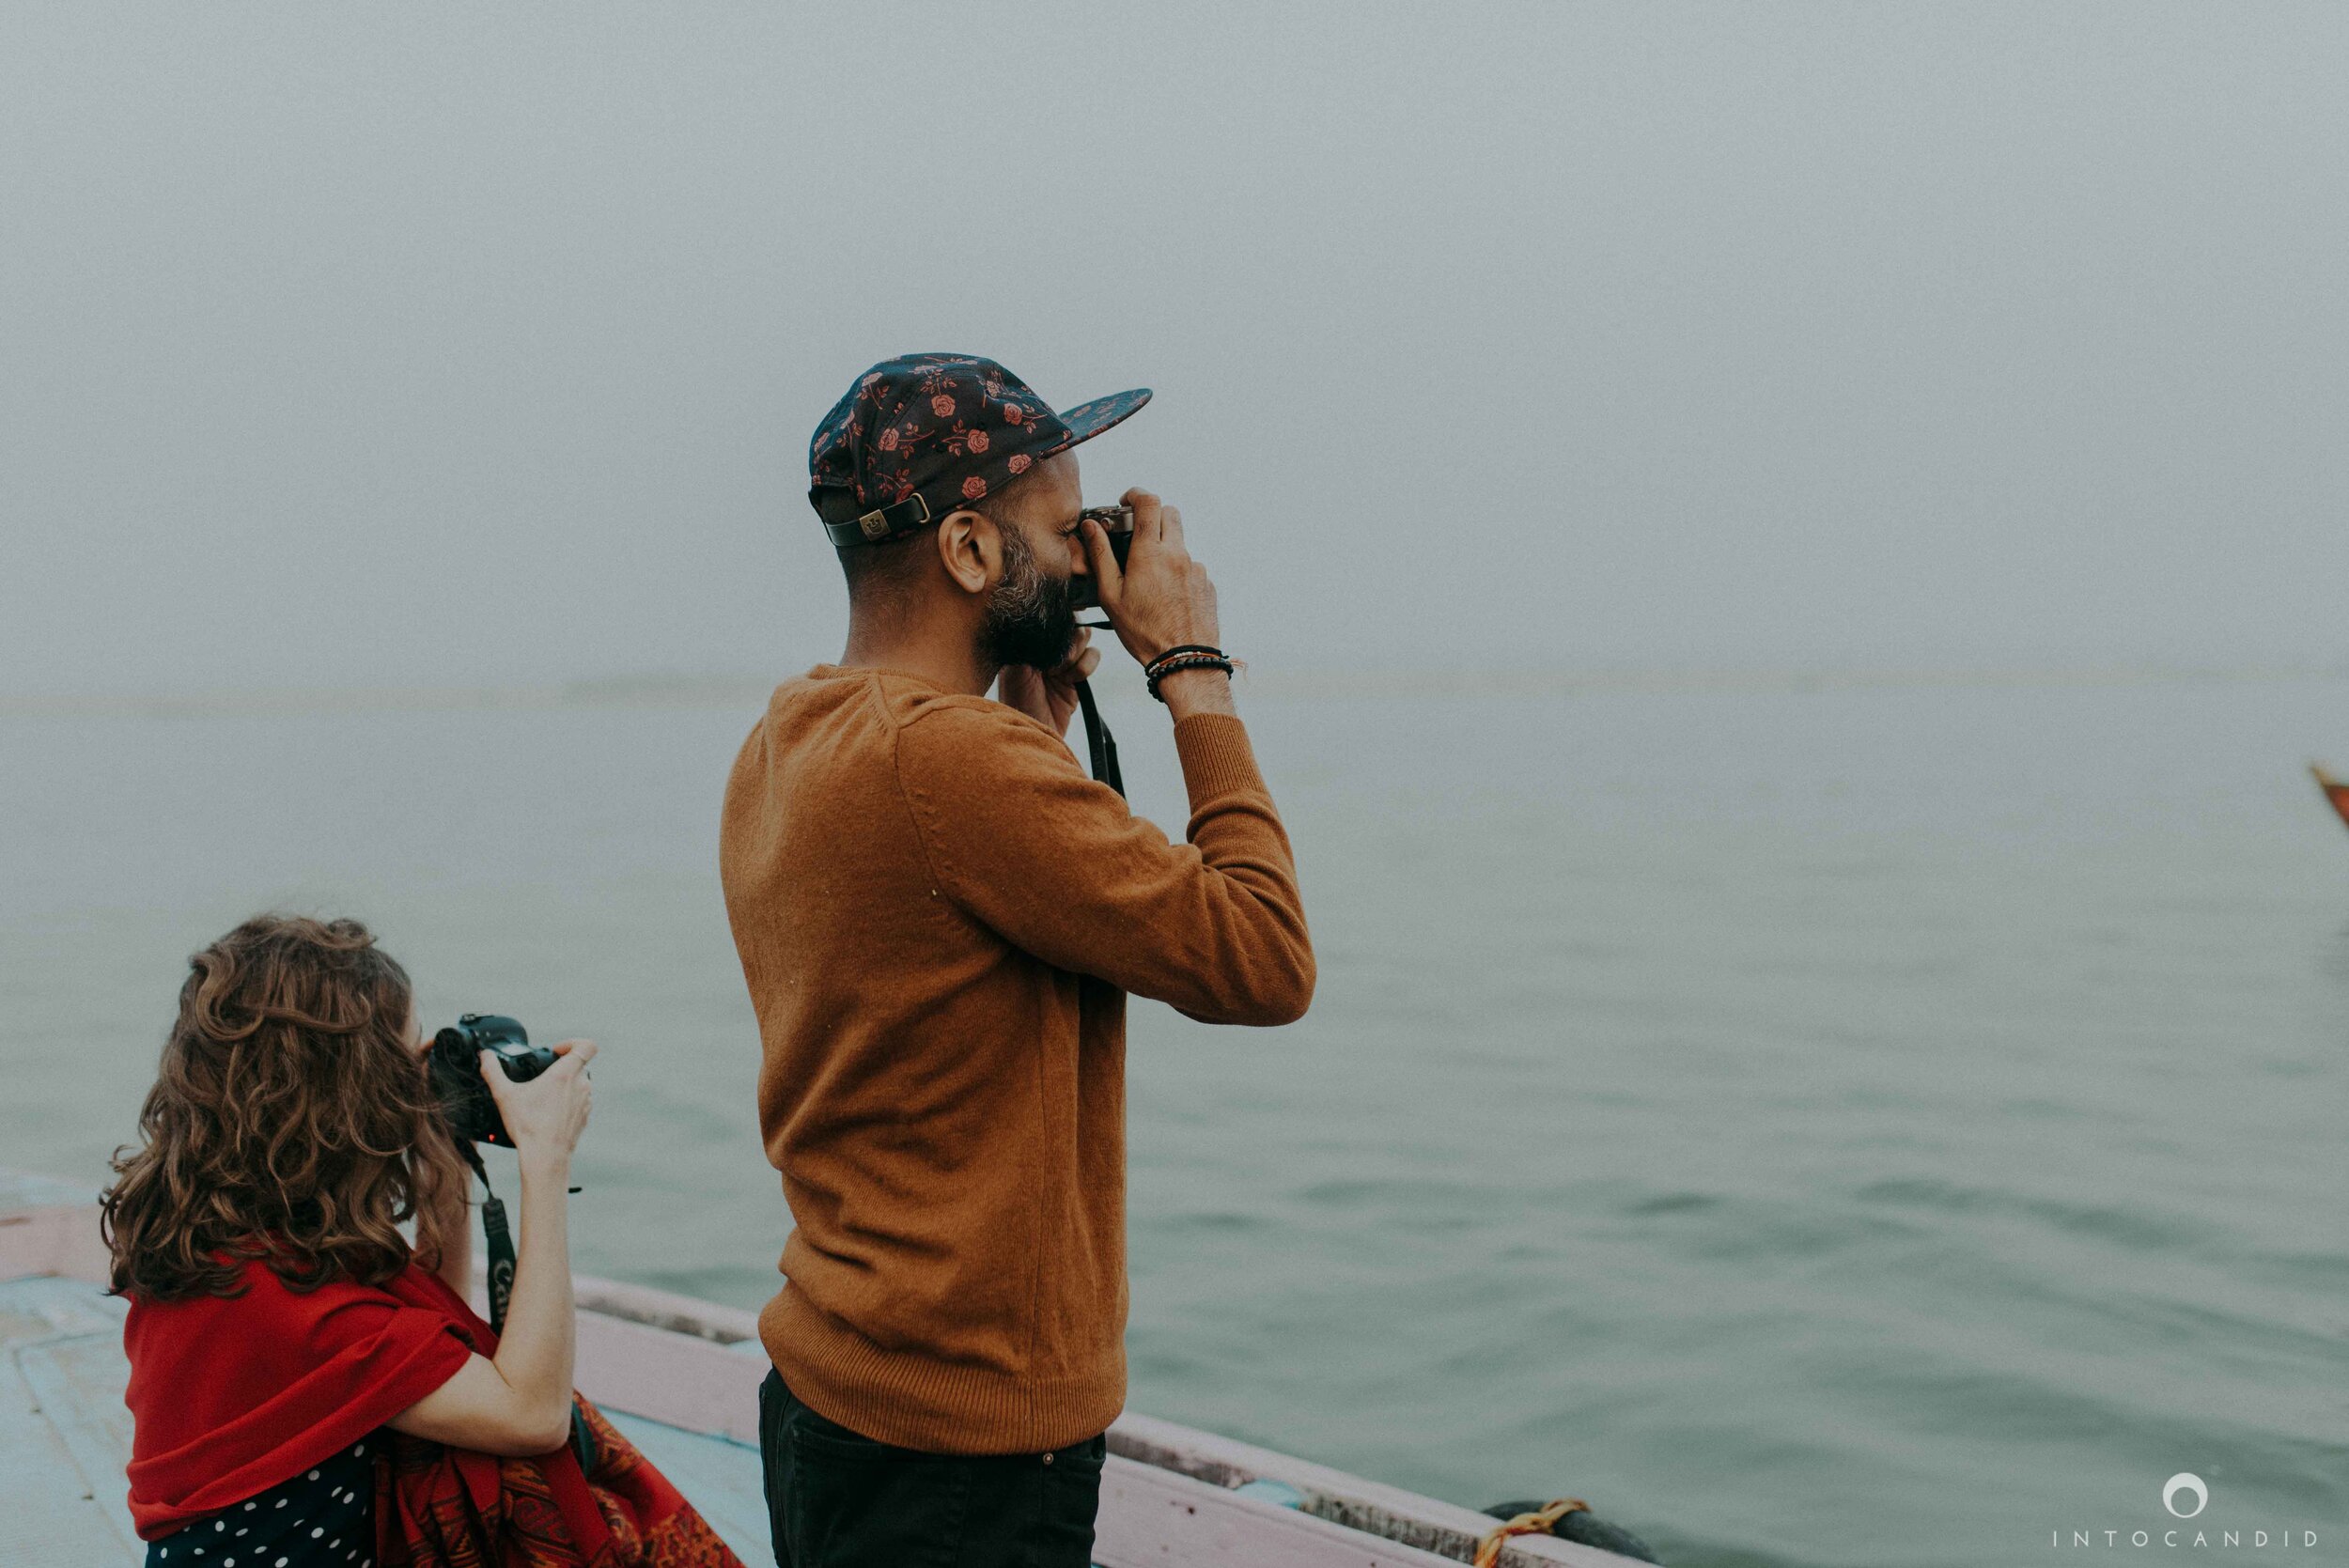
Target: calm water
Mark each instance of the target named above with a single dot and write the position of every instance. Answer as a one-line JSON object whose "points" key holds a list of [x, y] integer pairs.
{"points": [[1852, 1126]]}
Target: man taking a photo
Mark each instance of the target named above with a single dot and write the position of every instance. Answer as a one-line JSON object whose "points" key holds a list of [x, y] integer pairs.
{"points": [[939, 916]]}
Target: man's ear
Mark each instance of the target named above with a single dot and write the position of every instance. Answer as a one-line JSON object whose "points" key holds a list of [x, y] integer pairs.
{"points": [[969, 548]]}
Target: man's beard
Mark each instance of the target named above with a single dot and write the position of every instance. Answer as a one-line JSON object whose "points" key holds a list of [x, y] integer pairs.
{"points": [[1029, 616]]}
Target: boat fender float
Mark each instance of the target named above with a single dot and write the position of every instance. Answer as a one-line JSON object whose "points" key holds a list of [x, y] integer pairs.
{"points": [[2335, 791], [1568, 1519]]}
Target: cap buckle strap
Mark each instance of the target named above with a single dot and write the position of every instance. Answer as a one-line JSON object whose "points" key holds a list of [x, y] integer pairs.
{"points": [[881, 522]]}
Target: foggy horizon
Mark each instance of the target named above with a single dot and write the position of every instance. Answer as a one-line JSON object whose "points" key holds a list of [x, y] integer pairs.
{"points": [[480, 350], [1778, 880]]}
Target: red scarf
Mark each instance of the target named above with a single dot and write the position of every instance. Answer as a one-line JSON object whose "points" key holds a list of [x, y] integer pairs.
{"points": [[229, 1397]]}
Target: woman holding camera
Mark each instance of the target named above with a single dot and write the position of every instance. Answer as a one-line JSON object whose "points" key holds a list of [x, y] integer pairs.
{"points": [[308, 1386]]}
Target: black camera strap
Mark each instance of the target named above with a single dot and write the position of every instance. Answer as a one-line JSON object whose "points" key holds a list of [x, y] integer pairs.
{"points": [[500, 1237], [500, 1241], [1098, 740]]}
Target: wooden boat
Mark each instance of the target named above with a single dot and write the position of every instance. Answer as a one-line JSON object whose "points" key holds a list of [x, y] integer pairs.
{"points": [[2335, 791], [681, 1378]]}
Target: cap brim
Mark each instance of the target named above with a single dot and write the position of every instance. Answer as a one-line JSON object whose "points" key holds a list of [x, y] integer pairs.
{"points": [[1087, 420]]}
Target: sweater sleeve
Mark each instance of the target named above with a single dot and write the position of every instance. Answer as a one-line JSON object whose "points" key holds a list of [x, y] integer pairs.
{"points": [[1055, 863]]}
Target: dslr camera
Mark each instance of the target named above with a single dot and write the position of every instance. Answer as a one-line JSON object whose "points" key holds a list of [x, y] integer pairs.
{"points": [[455, 1063]]}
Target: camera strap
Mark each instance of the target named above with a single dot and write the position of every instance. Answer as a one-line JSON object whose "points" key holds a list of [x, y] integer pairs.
{"points": [[500, 1242], [500, 1237], [1098, 740]]}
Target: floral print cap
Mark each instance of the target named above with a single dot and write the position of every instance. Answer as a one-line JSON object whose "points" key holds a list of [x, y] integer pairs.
{"points": [[919, 435]]}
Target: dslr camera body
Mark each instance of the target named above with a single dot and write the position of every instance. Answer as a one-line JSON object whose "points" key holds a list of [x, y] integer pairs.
{"points": [[455, 1063]]}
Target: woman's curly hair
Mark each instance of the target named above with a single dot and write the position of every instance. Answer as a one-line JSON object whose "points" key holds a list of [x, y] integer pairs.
{"points": [[289, 1121]]}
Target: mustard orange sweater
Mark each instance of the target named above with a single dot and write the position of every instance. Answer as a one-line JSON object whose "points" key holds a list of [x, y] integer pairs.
{"points": [[939, 915]]}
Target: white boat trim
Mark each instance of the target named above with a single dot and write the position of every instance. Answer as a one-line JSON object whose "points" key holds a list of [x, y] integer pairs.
{"points": [[1167, 1499]]}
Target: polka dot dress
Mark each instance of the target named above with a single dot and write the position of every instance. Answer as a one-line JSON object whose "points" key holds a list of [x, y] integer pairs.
{"points": [[322, 1518]]}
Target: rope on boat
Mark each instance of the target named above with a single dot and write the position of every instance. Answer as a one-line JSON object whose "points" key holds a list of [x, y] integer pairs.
{"points": [[1535, 1523]]}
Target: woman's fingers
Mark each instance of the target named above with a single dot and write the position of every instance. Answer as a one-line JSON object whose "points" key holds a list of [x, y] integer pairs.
{"points": [[552, 1108]]}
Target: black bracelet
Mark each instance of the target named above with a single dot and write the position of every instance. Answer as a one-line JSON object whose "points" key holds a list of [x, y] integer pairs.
{"points": [[1180, 648], [1174, 663]]}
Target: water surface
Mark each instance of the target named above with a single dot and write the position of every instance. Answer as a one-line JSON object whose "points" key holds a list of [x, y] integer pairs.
{"points": [[1883, 1125]]}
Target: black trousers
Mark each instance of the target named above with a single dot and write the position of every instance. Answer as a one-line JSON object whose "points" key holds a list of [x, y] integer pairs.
{"points": [[836, 1498]]}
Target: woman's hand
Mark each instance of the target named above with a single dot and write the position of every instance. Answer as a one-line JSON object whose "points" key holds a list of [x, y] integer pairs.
{"points": [[520, 1403], [546, 1115]]}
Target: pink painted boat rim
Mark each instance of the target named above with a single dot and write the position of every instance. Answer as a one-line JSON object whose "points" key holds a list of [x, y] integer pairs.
{"points": [[1168, 1496]]}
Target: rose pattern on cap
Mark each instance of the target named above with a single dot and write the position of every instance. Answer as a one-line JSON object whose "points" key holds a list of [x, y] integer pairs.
{"points": [[950, 427]]}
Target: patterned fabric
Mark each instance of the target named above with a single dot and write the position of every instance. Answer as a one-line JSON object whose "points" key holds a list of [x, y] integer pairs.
{"points": [[320, 1518], [952, 429], [437, 1507]]}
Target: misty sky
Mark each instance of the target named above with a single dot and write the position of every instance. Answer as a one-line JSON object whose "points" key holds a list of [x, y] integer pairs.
{"points": [[480, 344]]}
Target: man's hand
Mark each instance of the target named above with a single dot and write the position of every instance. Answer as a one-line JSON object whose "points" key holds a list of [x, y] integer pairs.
{"points": [[1161, 598], [1050, 696]]}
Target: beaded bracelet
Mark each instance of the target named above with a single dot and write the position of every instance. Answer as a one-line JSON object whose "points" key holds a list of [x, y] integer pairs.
{"points": [[1167, 655], [1176, 666], [1191, 656]]}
